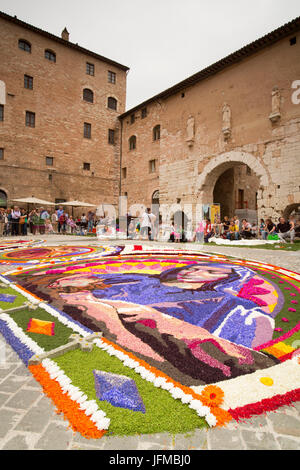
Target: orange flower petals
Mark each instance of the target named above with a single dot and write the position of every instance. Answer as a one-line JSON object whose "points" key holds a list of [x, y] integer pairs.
{"points": [[78, 420], [212, 396], [222, 416]]}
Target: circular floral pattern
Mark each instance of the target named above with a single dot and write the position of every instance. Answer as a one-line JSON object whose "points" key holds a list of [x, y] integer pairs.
{"points": [[224, 331], [54, 254]]}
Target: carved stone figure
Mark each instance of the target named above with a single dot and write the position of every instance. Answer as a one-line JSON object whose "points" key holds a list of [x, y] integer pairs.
{"points": [[190, 130], [226, 128], [276, 98]]}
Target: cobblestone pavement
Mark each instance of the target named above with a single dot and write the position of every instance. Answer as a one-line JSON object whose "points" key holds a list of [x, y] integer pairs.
{"points": [[28, 419]]}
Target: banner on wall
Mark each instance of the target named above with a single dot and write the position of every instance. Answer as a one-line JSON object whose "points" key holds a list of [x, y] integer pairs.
{"points": [[215, 213], [212, 212]]}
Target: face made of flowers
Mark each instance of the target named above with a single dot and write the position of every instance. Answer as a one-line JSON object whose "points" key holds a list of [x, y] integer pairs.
{"points": [[198, 276]]}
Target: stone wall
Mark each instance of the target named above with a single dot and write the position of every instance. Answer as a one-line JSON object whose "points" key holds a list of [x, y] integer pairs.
{"points": [[244, 114]]}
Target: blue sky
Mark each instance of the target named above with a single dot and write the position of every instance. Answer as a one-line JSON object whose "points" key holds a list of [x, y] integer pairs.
{"points": [[162, 41]]}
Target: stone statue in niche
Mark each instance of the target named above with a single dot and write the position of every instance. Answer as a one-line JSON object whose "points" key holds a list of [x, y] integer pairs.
{"points": [[190, 130], [276, 98], [226, 127]]}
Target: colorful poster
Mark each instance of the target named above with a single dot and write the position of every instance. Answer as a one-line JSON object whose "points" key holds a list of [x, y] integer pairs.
{"points": [[215, 212]]}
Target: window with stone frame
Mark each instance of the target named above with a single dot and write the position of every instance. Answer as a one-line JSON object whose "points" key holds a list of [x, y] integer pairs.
{"points": [[90, 69], [1, 112], [87, 130], [111, 136], [28, 82], [152, 166], [132, 142], [112, 77], [156, 132], [30, 119], [144, 113], [49, 161], [1, 153], [24, 45], [50, 55], [88, 95], [86, 166], [112, 103]]}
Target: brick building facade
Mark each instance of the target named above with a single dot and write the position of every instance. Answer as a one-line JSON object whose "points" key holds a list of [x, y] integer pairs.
{"points": [[229, 134], [59, 127], [240, 117]]}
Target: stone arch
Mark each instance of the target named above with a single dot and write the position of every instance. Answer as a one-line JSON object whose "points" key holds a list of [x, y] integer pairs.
{"points": [[216, 166], [290, 209], [3, 198]]}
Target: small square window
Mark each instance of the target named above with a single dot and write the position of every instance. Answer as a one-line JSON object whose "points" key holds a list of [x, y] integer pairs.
{"points": [[28, 82], [124, 172], [1, 112], [86, 166], [111, 136], [111, 77], [87, 130], [1, 154], [50, 55], [49, 161], [30, 119], [90, 69], [293, 41], [144, 113], [24, 45]]}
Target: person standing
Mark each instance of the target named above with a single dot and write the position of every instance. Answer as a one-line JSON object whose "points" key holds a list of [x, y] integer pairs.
{"points": [[62, 223], [54, 221], [23, 222], [15, 218], [2, 221], [146, 225]]}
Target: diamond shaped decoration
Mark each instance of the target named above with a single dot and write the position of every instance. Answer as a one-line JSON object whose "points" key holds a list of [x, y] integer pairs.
{"points": [[118, 390]]}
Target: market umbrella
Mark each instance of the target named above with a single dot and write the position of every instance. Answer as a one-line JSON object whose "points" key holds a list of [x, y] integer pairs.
{"points": [[78, 204], [33, 200]]}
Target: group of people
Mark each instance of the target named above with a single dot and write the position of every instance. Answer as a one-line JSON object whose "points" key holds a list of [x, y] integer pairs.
{"points": [[233, 229], [17, 221]]}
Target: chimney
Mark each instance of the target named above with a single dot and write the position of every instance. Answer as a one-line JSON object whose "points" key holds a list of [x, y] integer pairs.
{"points": [[65, 34]]}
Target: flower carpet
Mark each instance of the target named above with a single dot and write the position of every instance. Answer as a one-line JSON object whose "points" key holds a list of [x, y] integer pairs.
{"points": [[146, 341], [10, 244], [54, 254]]}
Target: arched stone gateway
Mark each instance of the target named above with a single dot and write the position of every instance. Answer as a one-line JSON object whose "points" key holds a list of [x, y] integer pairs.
{"points": [[222, 163], [292, 209]]}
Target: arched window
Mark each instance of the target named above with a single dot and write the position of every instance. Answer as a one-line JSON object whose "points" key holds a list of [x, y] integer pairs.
{"points": [[156, 132], [88, 95], [24, 45], [3, 199], [112, 103], [132, 142], [50, 55]]}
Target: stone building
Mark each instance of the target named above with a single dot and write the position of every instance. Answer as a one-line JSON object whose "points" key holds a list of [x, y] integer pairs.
{"points": [[229, 134], [59, 108]]}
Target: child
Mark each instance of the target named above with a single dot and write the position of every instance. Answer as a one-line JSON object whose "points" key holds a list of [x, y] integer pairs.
{"points": [[48, 226]]}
